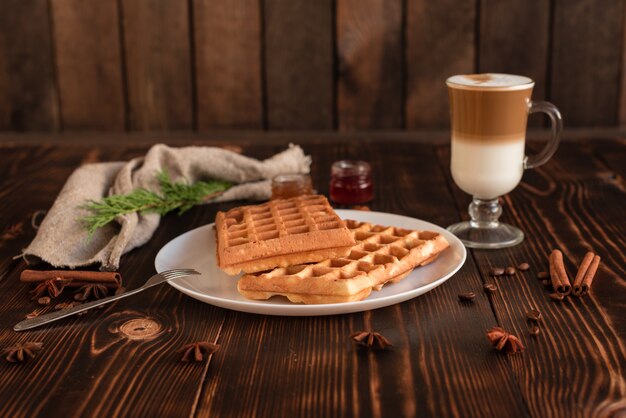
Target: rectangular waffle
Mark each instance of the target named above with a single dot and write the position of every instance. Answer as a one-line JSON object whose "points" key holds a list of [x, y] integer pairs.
{"points": [[382, 254], [280, 233]]}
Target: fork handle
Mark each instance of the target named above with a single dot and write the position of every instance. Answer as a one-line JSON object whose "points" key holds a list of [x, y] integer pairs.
{"points": [[54, 316]]}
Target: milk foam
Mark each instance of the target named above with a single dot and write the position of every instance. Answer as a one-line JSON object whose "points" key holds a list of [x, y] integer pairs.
{"points": [[491, 81], [487, 170]]}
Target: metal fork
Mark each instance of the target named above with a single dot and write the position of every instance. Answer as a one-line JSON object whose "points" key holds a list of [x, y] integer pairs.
{"points": [[152, 281]]}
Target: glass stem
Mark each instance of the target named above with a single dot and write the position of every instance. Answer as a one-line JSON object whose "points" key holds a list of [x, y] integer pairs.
{"points": [[484, 213]]}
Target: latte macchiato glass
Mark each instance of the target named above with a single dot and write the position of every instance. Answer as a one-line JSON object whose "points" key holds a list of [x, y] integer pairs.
{"points": [[489, 114]]}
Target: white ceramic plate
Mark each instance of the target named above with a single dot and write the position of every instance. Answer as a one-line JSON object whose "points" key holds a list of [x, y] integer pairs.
{"points": [[196, 249]]}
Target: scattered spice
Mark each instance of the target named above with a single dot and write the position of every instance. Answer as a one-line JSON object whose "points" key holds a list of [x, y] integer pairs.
{"points": [[534, 330], [496, 271], [510, 271], [12, 232], [490, 288], [361, 207], [586, 273], [21, 352], [543, 275], [558, 275], [546, 283], [523, 267], [557, 297], [371, 339], [53, 287], [65, 305], [467, 296], [534, 315], [196, 351], [34, 314], [95, 291], [504, 341], [44, 300], [75, 278]]}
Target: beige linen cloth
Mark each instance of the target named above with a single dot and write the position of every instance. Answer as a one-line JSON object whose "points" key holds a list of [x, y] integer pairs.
{"points": [[62, 240]]}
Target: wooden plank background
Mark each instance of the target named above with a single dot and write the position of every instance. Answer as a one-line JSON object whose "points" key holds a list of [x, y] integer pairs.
{"points": [[206, 65]]}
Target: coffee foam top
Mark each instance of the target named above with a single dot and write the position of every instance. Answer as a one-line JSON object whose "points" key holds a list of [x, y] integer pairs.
{"points": [[490, 81]]}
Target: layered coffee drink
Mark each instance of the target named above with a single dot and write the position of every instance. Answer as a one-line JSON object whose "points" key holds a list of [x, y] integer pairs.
{"points": [[488, 117]]}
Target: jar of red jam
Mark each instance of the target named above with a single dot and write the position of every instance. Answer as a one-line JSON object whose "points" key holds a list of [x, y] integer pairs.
{"points": [[351, 182], [285, 186]]}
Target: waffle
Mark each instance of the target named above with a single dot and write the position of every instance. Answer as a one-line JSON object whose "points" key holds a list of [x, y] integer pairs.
{"points": [[382, 254], [280, 233]]}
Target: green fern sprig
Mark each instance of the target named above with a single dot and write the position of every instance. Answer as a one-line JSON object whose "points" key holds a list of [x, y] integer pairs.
{"points": [[179, 196]]}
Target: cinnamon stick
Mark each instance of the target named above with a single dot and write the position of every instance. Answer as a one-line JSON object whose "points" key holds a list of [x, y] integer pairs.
{"points": [[580, 274], [76, 278], [558, 275], [582, 285]]}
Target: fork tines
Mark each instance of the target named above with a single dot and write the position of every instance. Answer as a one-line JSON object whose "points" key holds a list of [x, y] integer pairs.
{"points": [[178, 272]]}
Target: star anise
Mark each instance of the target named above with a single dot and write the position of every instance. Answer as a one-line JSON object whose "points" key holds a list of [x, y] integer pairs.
{"points": [[196, 351], [96, 291], [34, 314], [53, 287], [371, 339], [502, 340], [21, 352], [12, 232]]}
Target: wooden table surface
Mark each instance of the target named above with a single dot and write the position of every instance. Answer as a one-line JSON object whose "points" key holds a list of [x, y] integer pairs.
{"points": [[441, 363]]}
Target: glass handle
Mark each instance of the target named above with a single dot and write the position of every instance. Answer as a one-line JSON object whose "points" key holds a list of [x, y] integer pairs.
{"points": [[557, 127]]}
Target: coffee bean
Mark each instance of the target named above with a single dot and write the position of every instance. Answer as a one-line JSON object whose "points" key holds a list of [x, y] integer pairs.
{"points": [[557, 297], [510, 271], [490, 288], [534, 330], [542, 275], [533, 315], [546, 282], [467, 296], [496, 271], [523, 267], [44, 300]]}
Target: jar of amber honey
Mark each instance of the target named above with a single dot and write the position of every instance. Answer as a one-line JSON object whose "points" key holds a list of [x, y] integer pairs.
{"points": [[351, 182], [285, 186]]}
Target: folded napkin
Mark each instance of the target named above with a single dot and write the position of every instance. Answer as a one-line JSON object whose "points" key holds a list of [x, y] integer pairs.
{"points": [[62, 240]]}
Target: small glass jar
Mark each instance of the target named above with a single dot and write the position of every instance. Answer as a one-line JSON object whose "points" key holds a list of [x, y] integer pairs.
{"points": [[285, 186], [351, 182]]}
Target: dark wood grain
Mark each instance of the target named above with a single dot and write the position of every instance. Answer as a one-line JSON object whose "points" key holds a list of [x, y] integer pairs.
{"points": [[298, 51], [441, 363], [28, 95], [581, 339], [10, 139], [316, 65], [310, 367], [370, 70], [440, 42], [115, 374], [622, 91], [89, 64], [514, 38], [586, 59], [158, 64], [613, 154], [227, 39]]}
